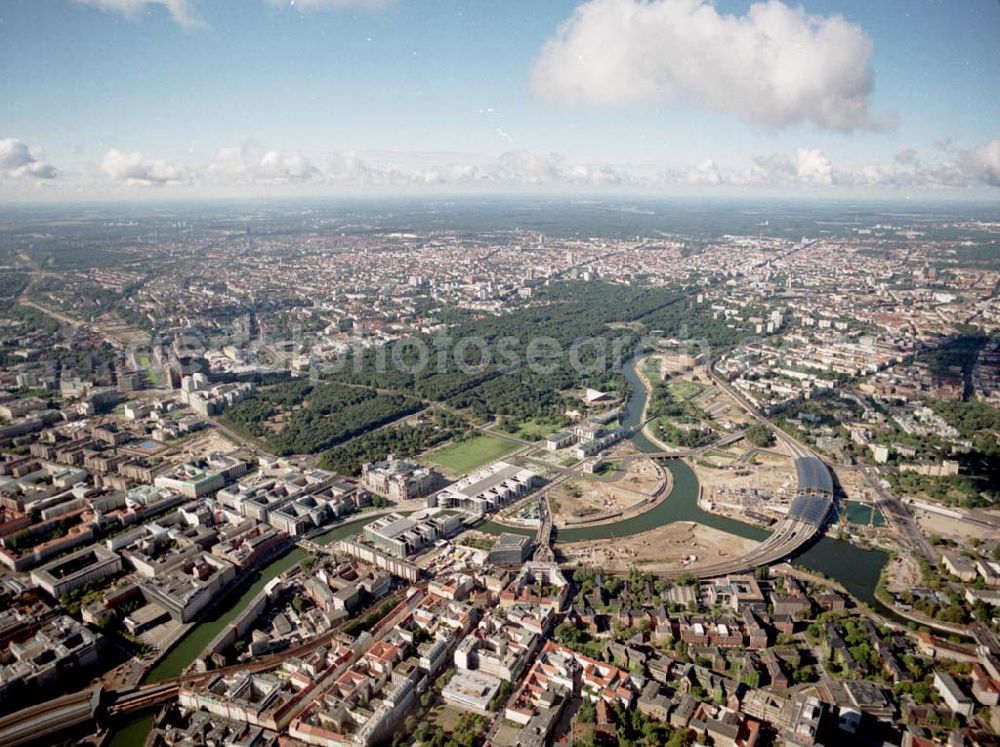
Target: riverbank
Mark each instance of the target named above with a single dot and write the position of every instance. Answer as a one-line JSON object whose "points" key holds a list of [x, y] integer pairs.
{"points": [[647, 385], [645, 502], [679, 544], [917, 619]]}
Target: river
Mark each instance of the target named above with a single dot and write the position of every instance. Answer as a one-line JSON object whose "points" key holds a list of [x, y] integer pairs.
{"points": [[857, 569]]}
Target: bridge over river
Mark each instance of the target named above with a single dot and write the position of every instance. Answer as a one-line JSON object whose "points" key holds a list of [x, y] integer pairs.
{"points": [[856, 569], [799, 535]]}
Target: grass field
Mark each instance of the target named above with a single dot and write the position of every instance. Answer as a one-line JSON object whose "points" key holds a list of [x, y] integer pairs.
{"points": [[683, 389], [651, 369], [720, 456], [465, 456]]}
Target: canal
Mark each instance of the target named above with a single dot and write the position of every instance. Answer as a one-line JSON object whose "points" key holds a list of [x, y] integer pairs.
{"points": [[134, 731]]}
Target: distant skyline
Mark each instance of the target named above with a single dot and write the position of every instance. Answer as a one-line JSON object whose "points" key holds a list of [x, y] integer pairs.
{"points": [[158, 99]]}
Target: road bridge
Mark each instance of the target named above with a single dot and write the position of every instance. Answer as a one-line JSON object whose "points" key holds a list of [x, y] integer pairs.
{"points": [[543, 539]]}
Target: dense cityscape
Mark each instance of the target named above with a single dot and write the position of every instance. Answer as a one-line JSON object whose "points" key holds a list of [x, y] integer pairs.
{"points": [[270, 477], [578, 373]]}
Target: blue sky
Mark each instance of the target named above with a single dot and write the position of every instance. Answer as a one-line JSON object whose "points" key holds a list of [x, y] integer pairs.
{"points": [[254, 97]]}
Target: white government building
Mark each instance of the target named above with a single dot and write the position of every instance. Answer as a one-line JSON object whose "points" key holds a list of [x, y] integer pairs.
{"points": [[486, 490]]}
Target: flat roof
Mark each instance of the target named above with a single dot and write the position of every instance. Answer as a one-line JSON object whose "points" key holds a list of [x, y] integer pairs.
{"points": [[473, 686], [147, 613], [512, 540], [502, 471], [84, 558], [392, 525]]}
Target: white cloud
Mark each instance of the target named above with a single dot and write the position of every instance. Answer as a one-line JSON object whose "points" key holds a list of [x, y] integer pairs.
{"points": [[527, 168], [813, 167], [134, 169], [807, 166], [250, 164], [278, 166], [17, 159], [776, 168], [705, 173], [334, 4], [984, 162], [953, 168], [243, 170], [514, 168], [178, 9], [774, 65]]}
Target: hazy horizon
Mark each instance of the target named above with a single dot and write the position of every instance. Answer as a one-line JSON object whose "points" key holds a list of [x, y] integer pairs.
{"points": [[154, 99]]}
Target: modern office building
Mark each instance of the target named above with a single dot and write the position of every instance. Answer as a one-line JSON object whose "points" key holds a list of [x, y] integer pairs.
{"points": [[401, 536], [486, 490], [203, 476], [510, 549]]}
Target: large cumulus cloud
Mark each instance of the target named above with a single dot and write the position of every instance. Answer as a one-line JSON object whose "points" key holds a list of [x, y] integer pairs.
{"points": [[137, 170], [775, 65]]}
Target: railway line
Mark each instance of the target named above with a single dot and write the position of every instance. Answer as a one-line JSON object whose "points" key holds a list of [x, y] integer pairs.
{"points": [[806, 516], [807, 513], [62, 714]]}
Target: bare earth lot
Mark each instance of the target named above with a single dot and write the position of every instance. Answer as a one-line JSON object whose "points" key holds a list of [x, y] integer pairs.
{"points": [[953, 529], [774, 472], [660, 549], [902, 573], [574, 499]]}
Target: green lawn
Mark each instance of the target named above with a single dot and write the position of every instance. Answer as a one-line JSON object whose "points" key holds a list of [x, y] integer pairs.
{"points": [[651, 369], [683, 389], [465, 456], [720, 456]]}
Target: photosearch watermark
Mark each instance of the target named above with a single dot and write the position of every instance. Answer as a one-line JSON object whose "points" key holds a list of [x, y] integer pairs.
{"points": [[411, 356]]}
